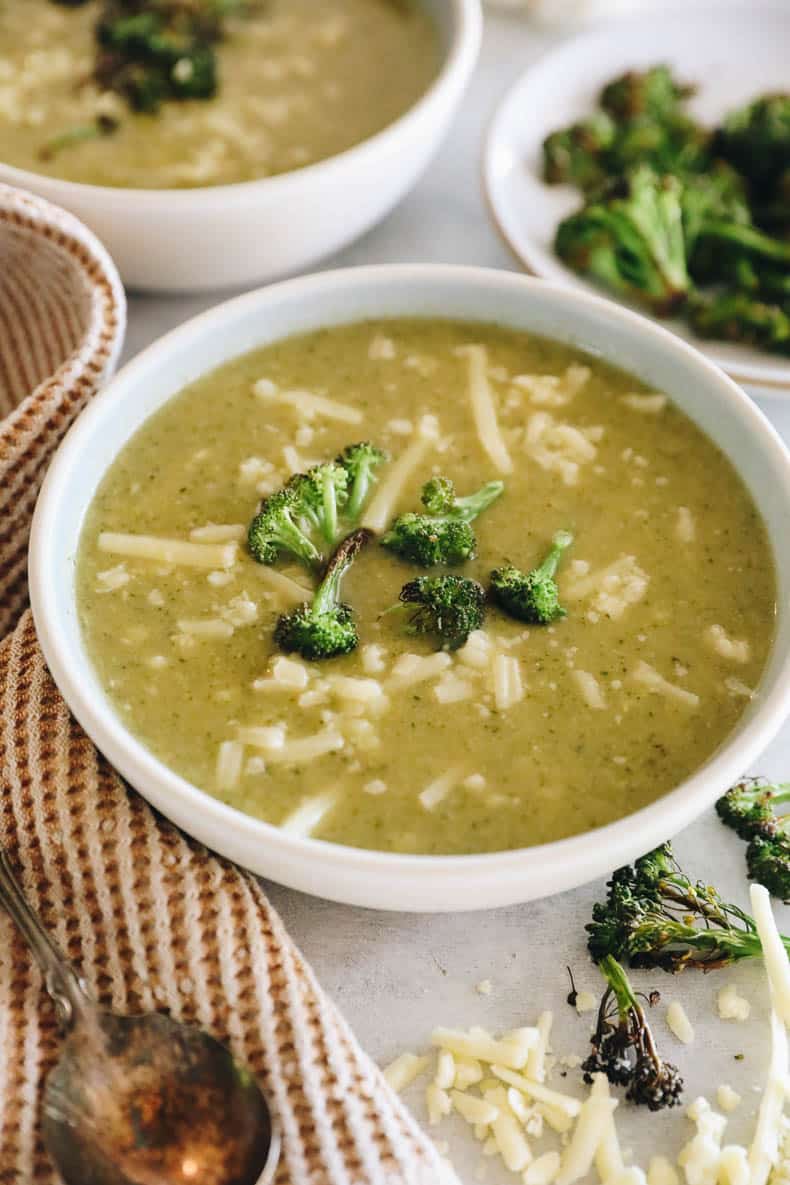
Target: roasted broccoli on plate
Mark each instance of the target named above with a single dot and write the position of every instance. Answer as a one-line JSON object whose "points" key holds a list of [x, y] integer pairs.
{"points": [[629, 236], [679, 217]]}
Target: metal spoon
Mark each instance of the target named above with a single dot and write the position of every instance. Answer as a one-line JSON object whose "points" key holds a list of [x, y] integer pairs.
{"points": [[142, 1100]]}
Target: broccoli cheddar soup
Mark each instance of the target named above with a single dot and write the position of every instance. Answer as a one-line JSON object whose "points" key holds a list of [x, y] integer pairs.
{"points": [[330, 652], [178, 93]]}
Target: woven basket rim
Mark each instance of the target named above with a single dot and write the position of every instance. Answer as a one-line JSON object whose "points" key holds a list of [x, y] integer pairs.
{"points": [[99, 348]]}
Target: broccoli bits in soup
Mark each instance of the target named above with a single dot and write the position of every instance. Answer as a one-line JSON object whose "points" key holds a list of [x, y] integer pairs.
{"points": [[426, 586]]}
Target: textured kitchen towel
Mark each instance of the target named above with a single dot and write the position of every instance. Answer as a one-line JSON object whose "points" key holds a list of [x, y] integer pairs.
{"points": [[62, 317], [150, 920], [153, 921]]}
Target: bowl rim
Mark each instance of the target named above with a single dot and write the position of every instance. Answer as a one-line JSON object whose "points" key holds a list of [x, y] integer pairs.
{"points": [[618, 840], [770, 382], [456, 63]]}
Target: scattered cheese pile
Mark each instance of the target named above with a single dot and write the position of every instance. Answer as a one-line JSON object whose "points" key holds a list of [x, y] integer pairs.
{"points": [[498, 1086]]}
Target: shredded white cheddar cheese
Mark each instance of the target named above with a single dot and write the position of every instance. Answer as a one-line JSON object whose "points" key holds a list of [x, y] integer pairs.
{"points": [[578, 1157], [777, 963], [169, 551], [404, 1069], [731, 1005], [511, 1052], [307, 403], [650, 679], [380, 509], [660, 1171], [590, 689], [218, 533], [304, 820], [679, 1022], [230, 757], [484, 414]]}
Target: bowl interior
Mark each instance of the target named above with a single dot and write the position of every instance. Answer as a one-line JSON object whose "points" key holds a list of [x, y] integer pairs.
{"points": [[384, 880]]}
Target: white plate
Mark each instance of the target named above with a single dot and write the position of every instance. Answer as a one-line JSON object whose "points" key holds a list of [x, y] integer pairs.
{"points": [[733, 51]]}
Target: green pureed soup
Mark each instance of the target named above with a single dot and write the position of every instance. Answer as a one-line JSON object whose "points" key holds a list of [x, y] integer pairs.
{"points": [[291, 82], [526, 733]]}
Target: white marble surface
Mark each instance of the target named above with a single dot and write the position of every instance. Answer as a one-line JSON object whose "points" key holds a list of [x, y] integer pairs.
{"points": [[396, 976]]}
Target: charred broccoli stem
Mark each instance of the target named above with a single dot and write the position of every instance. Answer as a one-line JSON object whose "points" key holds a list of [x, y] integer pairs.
{"points": [[624, 1049], [533, 596], [657, 917], [748, 808], [630, 238], [103, 125], [324, 628], [449, 607], [444, 535]]}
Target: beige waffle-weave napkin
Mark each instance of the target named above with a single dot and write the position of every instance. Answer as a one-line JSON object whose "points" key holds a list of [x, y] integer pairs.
{"points": [[150, 919]]}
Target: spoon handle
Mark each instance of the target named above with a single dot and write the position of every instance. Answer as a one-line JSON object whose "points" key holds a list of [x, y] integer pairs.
{"points": [[60, 979]]}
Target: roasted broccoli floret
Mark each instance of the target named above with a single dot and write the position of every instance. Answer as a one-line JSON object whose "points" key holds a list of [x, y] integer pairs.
{"points": [[324, 627], [740, 317], [444, 537], [360, 462], [630, 238], [321, 494], [623, 1047], [532, 596], [576, 155], [644, 92], [756, 140], [768, 862], [315, 508], [450, 607], [675, 145], [151, 54], [277, 528], [657, 917], [749, 809]]}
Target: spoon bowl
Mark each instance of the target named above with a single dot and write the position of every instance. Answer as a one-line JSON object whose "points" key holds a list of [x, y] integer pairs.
{"points": [[142, 1100]]}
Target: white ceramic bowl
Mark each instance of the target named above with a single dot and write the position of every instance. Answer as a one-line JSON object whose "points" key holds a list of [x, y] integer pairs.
{"points": [[234, 235], [347, 874]]}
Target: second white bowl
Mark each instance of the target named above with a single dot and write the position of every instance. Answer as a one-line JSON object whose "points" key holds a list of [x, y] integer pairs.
{"points": [[235, 235]]}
